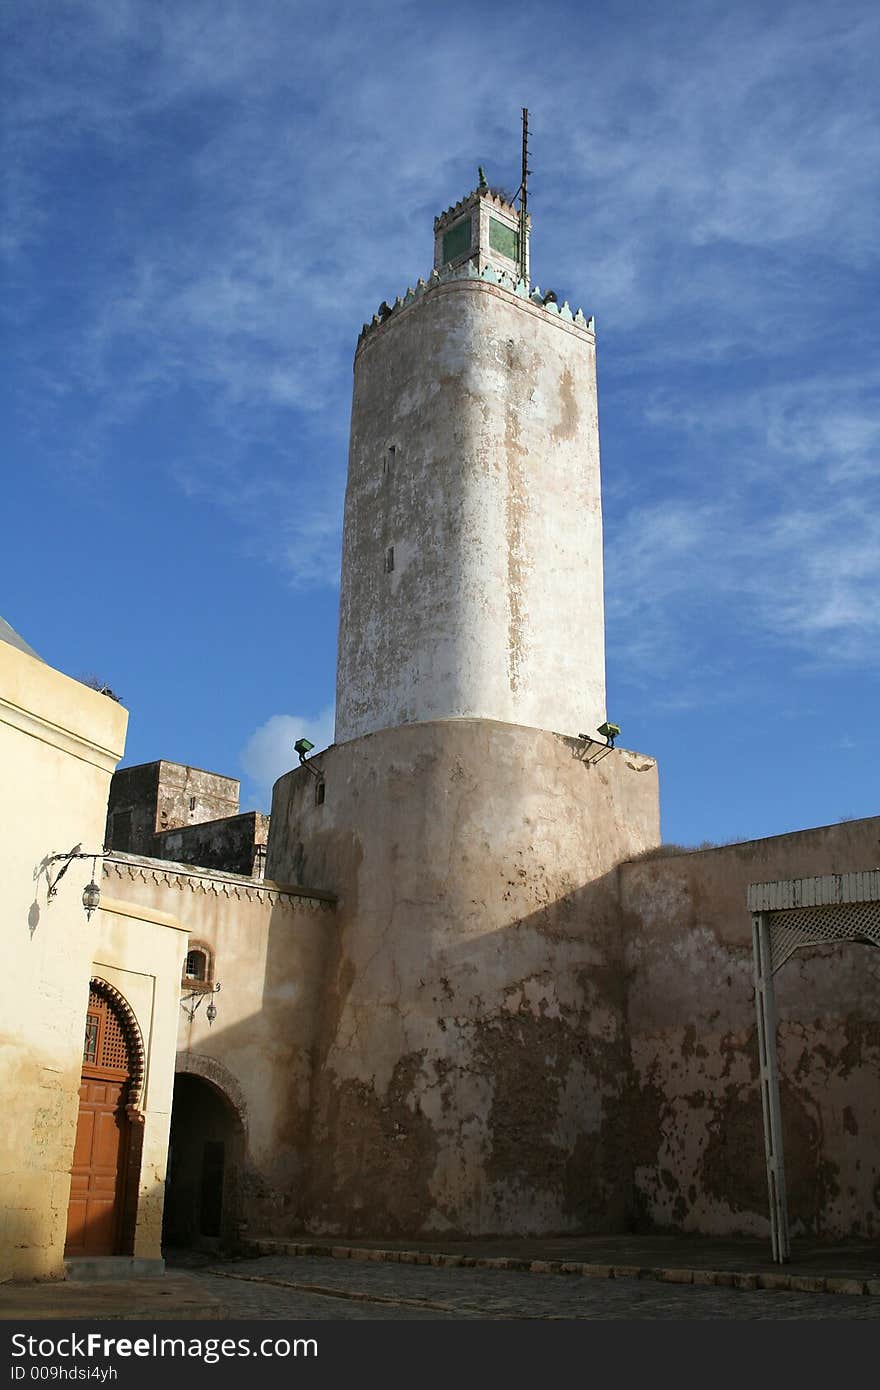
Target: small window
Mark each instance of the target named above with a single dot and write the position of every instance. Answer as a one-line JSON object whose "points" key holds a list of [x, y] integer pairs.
{"points": [[192, 803], [90, 1047], [197, 969], [389, 559], [196, 965], [319, 793], [388, 460]]}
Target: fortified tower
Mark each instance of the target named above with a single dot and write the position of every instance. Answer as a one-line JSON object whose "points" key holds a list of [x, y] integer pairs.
{"points": [[471, 1071], [472, 550]]}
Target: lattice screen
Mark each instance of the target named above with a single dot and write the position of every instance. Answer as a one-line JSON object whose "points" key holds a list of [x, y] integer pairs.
{"points": [[113, 1049], [813, 926]]}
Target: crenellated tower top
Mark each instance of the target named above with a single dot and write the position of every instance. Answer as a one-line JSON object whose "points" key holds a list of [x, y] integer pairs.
{"points": [[484, 229], [472, 547]]}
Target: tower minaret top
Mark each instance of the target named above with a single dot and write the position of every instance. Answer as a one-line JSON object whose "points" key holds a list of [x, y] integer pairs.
{"points": [[472, 546], [483, 228]]}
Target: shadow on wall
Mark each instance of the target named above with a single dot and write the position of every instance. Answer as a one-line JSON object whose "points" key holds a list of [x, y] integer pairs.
{"points": [[206, 1157], [246, 1084], [694, 1053], [513, 1077], [547, 1067]]}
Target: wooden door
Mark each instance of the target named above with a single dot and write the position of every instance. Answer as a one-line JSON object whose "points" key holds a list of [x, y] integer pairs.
{"points": [[98, 1172]]}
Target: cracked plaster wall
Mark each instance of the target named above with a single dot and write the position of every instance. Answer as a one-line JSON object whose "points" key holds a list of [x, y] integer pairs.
{"points": [[698, 1139], [472, 1068]]}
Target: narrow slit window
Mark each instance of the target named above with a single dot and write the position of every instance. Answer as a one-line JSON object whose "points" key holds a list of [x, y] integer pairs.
{"points": [[319, 793], [389, 559], [90, 1047], [388, 459]]}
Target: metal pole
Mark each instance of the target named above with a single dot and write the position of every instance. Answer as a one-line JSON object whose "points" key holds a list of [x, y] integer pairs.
{"points": [[765, 1006], [524, 199]]}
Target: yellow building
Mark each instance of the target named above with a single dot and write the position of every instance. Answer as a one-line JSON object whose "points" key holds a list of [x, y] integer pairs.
{"points": [[89, 1003]]}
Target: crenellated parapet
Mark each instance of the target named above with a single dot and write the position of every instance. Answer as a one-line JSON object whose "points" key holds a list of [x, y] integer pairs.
{"points": [[486, 195], [488, 275]]}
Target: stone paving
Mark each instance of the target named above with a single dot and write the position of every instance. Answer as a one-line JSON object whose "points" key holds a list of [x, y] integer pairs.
{"points": [[316, 1287], [174, 1296], [815, 1267], [572, 1278]]}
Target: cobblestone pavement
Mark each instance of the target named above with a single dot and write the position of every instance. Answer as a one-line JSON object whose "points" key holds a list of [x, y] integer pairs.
{"points": [[313, 1287]]}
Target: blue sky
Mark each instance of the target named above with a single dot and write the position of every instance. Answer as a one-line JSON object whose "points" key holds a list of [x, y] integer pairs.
{"points": [[205, 199]]}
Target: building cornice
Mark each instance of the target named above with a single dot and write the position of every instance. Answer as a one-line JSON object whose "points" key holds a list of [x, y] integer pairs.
{"points": [[137, 868], [57, 736]]}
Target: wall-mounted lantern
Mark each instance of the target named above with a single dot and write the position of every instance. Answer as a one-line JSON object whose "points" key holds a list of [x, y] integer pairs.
{"points": [[190, 1002], [91, 898]]}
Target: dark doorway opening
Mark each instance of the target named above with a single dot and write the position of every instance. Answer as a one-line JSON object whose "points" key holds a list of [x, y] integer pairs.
{"points": [[202, 1196]]}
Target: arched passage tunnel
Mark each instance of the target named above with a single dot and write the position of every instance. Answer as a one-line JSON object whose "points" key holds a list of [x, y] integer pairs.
{"points": [[205, 1160]]}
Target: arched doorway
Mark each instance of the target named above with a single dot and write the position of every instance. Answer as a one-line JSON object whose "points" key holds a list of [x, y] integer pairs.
{"points": [[105, 1172], [205, 1154]]}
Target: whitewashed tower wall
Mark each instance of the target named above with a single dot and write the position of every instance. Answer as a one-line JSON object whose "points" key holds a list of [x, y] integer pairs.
{"points": [[472, 548]]}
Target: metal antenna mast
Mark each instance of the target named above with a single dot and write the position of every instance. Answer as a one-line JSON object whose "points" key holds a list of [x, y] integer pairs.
{"points": [[524, 199]]}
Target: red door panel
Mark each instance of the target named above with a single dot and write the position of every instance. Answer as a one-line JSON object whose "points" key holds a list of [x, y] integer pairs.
{"points": [[100, 1152]]}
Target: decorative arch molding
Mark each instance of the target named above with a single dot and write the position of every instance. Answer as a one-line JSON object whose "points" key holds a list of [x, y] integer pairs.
{"points": [[210, 1070], [135, 1041]]}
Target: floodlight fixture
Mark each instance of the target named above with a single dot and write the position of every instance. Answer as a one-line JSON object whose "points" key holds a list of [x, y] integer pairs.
{"points": [[303, 747], [609, 732]]}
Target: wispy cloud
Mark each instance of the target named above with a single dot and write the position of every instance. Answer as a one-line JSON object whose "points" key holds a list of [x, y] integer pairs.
{"points": [[206, 199], [268, 753], [770, 529]]}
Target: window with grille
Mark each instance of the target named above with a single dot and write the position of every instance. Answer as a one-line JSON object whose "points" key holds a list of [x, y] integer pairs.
{"points": [[198, 968], [90, 1047], [105, 1045], [196, 965]]}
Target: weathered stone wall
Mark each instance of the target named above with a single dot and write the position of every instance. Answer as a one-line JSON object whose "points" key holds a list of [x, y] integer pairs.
{"points": [[152, 797], [697, 1135], [268, 950], [190, 795], [474, 459], [131, 808], [236, 844], [472, 1063], [59, 743]]}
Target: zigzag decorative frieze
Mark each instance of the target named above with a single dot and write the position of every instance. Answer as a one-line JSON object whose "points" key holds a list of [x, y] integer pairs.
{"points": [[490, 275], [206, 883], [486, 195]]}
